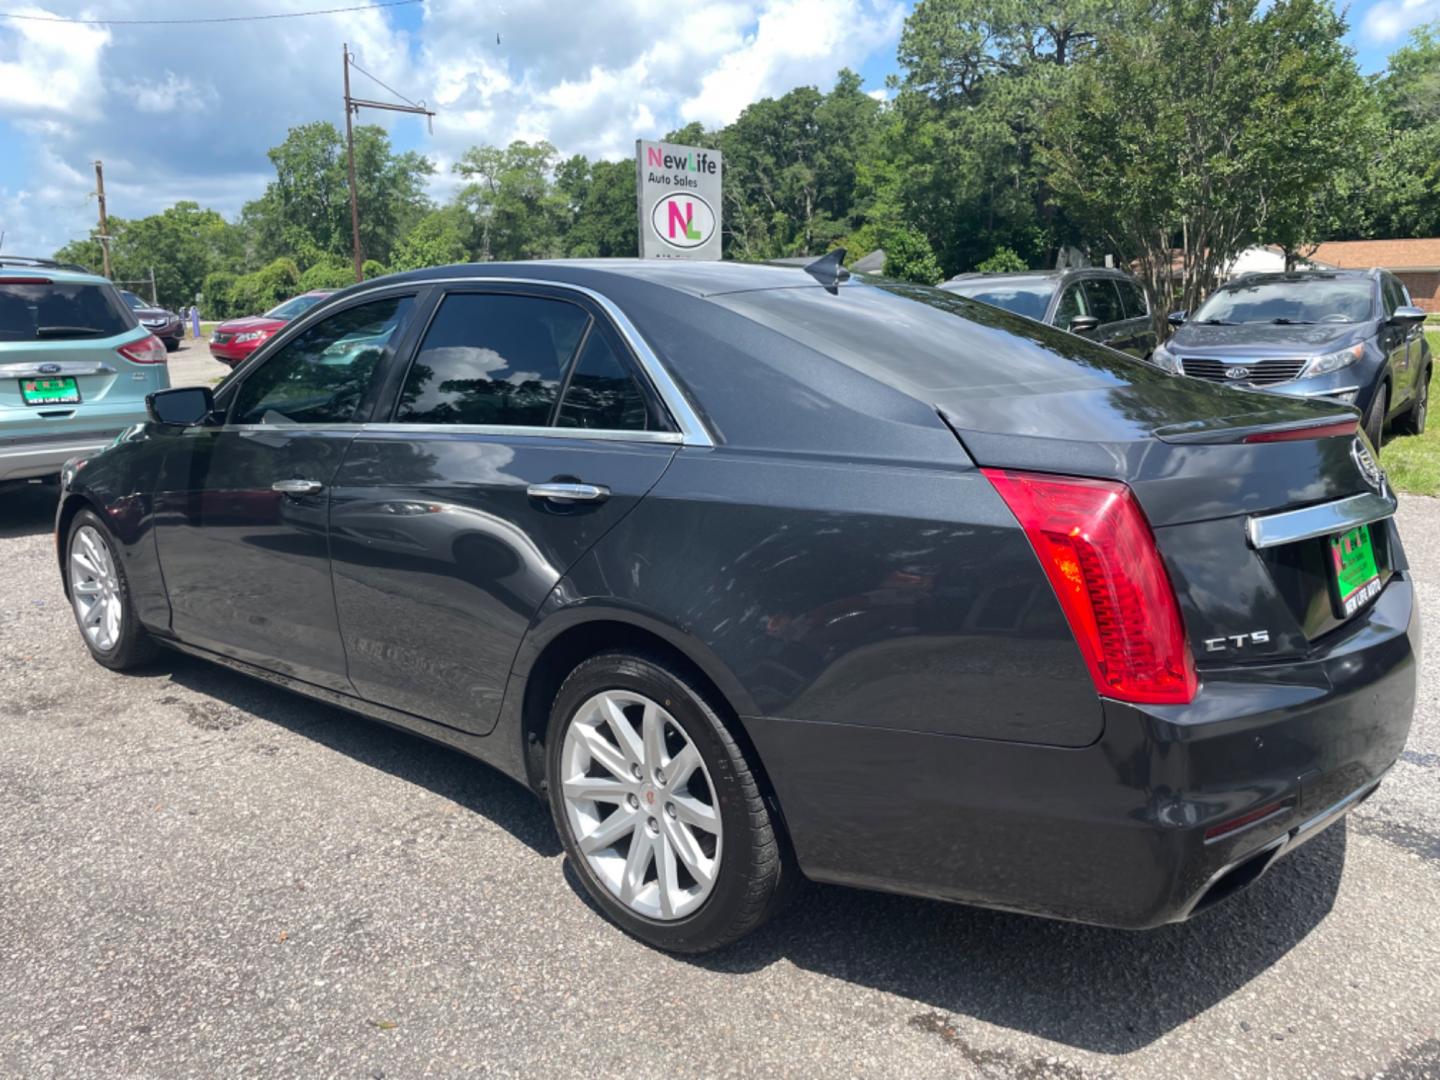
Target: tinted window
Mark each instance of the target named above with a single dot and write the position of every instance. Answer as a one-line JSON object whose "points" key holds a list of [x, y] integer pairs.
{"points": [[1132, 299], [1393, 297], [1072, 303], [60, 311], [292, 308], [321, 377], [491, 359], [1103, 301], [134, 301], [1028, 298], [602, 392], [1306, 300]]}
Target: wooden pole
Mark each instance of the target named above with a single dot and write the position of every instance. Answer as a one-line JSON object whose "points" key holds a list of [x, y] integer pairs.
{"points": [[350, 153], [104, 222]]}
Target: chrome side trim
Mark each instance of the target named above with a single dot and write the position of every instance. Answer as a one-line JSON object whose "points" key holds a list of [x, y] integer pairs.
{"points": [[64, 367], [1326, 393], [673, 437], [692, 428], [1291, 526]]}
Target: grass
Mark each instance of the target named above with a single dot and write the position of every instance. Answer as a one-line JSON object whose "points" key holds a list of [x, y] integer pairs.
{"points": [[1413, 461]]}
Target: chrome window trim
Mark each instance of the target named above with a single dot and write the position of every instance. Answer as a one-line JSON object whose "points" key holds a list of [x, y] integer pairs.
{"points": [[692, 429], [673, 438], [1291, 526]]}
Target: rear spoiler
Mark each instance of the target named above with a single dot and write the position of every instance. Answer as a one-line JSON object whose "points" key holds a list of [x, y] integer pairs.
{"points": [[1343, 423]]}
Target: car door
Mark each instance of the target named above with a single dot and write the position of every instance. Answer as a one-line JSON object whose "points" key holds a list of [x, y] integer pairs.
{"points": [[1140, 330], [522, 431], [242, 506], [1403, 346]]}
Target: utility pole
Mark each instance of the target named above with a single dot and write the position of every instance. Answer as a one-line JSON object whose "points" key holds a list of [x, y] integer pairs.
{"points": [[104, 222], [154, 296], [352, 108]]}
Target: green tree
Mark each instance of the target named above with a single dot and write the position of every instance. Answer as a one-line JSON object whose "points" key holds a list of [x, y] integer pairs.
{"points": [[304, 213], [512, 196], [1401, 187], [441, 238], [600, 204], [1200, 128], [1002, 260]]}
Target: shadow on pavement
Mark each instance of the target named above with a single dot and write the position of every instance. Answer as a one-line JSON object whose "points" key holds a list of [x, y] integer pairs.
{"points": [[448, 773], [27, 509], [1107, 991]]}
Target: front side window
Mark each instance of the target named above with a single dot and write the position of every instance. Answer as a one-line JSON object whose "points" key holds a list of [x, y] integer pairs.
{"points": [[492, 358], [1103, 301], [322, 375], [1393, 296], [1072, 306], [60, 311], [602, 394]]}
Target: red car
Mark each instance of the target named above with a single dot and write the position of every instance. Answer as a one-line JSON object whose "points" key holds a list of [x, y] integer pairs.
{"points": [[234, 340]]}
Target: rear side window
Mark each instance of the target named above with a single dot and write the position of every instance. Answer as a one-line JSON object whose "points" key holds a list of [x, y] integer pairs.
{"points": [[602, 393], [1103, 300], [60, 311], [492, 358], [1132, 299]]}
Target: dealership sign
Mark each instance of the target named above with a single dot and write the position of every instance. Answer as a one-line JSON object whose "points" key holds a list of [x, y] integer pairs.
{"points": [[678, 191]]}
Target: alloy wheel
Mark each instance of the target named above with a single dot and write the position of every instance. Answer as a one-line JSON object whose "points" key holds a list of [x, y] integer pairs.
{"points": [[95, 588], [640, 804]]}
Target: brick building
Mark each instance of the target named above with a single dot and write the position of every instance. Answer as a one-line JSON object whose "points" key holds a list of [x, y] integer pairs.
{"points": [[1415, 262]]}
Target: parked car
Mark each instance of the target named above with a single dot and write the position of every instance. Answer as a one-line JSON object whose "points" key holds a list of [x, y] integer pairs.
{"points": [[753, 573], [163, 323], [235, 339], [75, 365], [1350, 336], [1104, 305]]}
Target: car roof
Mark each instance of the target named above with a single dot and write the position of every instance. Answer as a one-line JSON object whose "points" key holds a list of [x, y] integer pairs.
{"points": [[978, 276], [59, 272], [1297, 276]]}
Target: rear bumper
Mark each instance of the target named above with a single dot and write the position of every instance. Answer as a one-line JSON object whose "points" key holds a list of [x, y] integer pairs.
{"points": [[43, 455], [1112, 833]]}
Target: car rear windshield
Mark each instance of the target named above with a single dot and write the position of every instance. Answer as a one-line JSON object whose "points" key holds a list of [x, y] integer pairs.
{"points": [[292, 308], [1028, 298], [1284, 303], [931, 342], [60, 310]]}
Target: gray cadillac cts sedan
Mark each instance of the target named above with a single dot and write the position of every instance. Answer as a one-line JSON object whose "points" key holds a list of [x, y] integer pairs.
{"points": [[759, 572]]}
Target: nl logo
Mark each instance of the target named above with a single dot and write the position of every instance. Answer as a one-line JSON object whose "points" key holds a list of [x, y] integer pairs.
{"points": [[683, 220]]}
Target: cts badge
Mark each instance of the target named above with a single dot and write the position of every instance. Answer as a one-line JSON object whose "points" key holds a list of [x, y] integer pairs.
{"points": [[1237, 641]]}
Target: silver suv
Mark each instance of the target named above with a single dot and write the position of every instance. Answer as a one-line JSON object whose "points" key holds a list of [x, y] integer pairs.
{"points": [[75, 365]]}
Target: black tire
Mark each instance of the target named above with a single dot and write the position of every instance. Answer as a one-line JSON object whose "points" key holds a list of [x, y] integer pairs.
{"points": [[171, 344], [1374, 422], [756, 870], [1414, 421], [133, 646]]}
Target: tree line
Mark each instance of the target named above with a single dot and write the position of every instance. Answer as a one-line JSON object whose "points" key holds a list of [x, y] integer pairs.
{"points": [[1169, 134]]}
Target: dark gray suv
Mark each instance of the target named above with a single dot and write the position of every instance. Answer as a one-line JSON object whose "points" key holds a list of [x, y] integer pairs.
{"points": [[1346, 336], [1103, 305]]}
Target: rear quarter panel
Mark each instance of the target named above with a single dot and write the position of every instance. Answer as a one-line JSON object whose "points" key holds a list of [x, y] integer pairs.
{"points": [[875, 594]]}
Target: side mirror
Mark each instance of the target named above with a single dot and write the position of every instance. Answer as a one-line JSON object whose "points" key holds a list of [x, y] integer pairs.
{"points": [[1176, 318], [1083, 324], [184, 406], [1407, 316]]}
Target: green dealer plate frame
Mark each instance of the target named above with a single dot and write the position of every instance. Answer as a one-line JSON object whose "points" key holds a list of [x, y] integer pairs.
{"points": [[53, 390], [1354, 578]]}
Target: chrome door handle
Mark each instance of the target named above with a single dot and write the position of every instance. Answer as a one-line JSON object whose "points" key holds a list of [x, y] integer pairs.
{"points": [[296, 487], [564, 493]]}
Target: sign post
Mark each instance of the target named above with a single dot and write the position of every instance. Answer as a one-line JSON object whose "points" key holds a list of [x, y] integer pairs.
{"points": [[677, 192]]}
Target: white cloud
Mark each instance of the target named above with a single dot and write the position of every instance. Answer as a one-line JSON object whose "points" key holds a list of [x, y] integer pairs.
{"points": [[1388, 20], [189, 112]]}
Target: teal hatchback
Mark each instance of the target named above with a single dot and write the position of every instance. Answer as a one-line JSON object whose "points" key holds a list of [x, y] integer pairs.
{"points": [[75, 365]]}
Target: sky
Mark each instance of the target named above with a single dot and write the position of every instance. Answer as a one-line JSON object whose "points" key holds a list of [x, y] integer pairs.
{"points": [[188, 112]]}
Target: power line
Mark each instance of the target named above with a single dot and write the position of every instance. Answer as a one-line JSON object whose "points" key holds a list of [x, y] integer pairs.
{"points": [[223, 19]]}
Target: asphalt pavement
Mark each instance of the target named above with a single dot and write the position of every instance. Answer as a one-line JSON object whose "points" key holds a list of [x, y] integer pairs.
{"points": [[201, 875]]}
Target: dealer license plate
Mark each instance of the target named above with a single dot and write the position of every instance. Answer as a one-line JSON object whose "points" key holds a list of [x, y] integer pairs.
{"points": [[57, 391], [1353, 575]]}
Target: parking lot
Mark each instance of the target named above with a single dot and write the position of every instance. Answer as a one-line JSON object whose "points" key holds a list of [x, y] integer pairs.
{"points": [[201, 875]]}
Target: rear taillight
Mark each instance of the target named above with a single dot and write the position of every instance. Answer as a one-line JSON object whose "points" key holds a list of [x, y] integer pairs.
{"points": [[148, 350], [1314, 431], [1100, 555]]}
